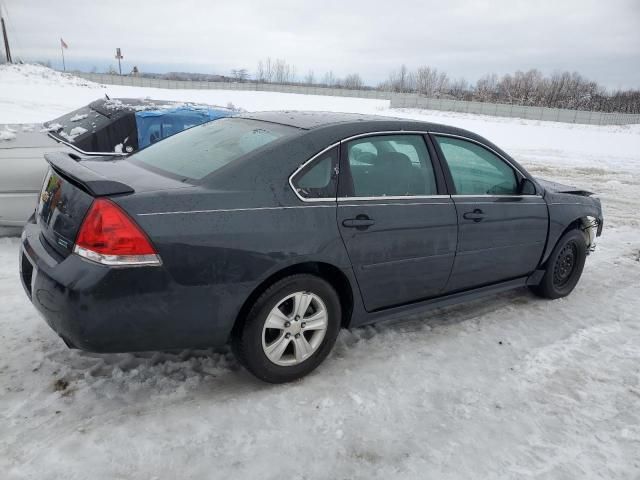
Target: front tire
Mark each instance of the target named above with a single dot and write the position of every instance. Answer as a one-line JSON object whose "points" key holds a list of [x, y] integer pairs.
{"points": [[290, 329], [564, 266]]}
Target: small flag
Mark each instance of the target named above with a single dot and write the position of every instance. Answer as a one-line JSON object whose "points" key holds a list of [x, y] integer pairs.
{"points": [[62, 44]]}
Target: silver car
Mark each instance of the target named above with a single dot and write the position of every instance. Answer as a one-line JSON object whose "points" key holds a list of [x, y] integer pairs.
{"points": [[106, 127], [23, 168]]}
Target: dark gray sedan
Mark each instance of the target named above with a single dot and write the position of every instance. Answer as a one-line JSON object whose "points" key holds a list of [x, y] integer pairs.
{"points": [[272, 231]]}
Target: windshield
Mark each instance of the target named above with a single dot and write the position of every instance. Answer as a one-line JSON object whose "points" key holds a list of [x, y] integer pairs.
{"points": [[199, 151]]}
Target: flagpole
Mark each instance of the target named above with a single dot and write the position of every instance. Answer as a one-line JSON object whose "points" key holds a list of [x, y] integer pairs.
{"points": [[64, 67]]}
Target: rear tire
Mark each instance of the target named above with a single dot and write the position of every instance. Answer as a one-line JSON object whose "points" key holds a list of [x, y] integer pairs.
{"points": [[290, 329], [564, 267]]}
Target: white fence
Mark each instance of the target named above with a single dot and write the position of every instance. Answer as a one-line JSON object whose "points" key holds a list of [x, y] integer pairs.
{"points": [[398, 100], [251, 86], [410, 100]]}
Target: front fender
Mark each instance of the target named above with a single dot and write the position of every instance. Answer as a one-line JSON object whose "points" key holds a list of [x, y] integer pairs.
{"points": [[565, 210]]}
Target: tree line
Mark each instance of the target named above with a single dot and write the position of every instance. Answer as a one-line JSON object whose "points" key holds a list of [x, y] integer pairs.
{"points": [[280, 71], [531, 88], [568, 90]]}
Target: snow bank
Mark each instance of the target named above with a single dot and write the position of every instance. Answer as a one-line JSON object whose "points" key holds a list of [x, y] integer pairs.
{"points": [[40, 76], [35, 94]]}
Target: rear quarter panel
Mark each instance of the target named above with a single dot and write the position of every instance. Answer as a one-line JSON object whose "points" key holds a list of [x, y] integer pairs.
{"points": [[225, 244]]}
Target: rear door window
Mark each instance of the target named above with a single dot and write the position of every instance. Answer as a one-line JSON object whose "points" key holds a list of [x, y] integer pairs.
{"points": [[391, 165]]}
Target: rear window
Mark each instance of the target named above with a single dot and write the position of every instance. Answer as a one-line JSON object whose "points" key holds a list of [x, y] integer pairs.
{"points": [[75, 125], [199, 151], [91, 131]]}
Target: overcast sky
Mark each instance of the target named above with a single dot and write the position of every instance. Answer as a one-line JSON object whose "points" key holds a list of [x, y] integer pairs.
{"points": [[598, 38]]}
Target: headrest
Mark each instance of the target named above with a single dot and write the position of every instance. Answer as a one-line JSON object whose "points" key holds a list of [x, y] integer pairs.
{"points": [[394, 160]]}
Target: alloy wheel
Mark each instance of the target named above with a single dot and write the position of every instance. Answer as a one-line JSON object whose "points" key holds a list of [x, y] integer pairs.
{"points": [[294, 328]]}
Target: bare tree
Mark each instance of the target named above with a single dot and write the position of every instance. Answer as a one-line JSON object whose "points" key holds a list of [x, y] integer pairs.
{"points": [[309, 78], [459, 88], [260, 73], [268, 70], [404, 79], [430, 82], [400, 81], [559, 90], [487, 88], [352, 81], [240, 74], [329, 79]]}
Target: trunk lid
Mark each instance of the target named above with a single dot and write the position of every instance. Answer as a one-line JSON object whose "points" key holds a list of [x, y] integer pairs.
{"points": [[61, 208], [71, 184], [125, 171]]}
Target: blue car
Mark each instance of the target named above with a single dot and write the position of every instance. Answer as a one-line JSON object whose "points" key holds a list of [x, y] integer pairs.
{"points": [[123, 125]]}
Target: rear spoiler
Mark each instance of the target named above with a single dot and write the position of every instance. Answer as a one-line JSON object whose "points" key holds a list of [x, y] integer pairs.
{"points": [[69, 166]]}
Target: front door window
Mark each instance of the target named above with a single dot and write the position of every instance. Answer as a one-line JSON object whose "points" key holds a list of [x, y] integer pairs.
{"points": [[476, 170]]}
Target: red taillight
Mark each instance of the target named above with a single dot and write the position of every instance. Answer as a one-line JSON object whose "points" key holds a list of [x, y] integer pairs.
{"points": [[107, 235]]}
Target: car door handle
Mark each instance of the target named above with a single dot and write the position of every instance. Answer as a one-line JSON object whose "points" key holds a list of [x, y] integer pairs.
{"points": [[477, 215], [361, 222]]}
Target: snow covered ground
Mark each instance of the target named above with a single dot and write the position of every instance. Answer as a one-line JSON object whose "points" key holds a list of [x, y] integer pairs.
{"points": [[508, 387]]}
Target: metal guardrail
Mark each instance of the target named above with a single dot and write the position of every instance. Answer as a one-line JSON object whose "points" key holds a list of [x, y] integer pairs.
{"points": [[398, 100]]}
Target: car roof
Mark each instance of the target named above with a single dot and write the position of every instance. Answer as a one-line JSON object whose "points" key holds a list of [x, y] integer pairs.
{"points": [[115, 108], [352, 122], [308, 120]]}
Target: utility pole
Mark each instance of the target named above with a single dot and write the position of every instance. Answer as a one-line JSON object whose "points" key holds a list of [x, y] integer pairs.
{"points": [[6, 41], [119, 57]]}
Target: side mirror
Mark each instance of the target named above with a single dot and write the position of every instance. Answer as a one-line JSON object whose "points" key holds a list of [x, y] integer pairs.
{"points": [[527, 187]]}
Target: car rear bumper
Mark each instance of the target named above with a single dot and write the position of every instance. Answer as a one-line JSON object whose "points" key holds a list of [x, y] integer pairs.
{"points": [[106, 309]]}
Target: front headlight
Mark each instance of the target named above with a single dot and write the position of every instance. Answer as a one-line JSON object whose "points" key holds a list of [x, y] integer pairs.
{"points": [[590, 228]]}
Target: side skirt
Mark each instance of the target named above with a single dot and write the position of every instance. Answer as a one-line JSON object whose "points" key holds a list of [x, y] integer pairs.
{"points": [[396, 313]]}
